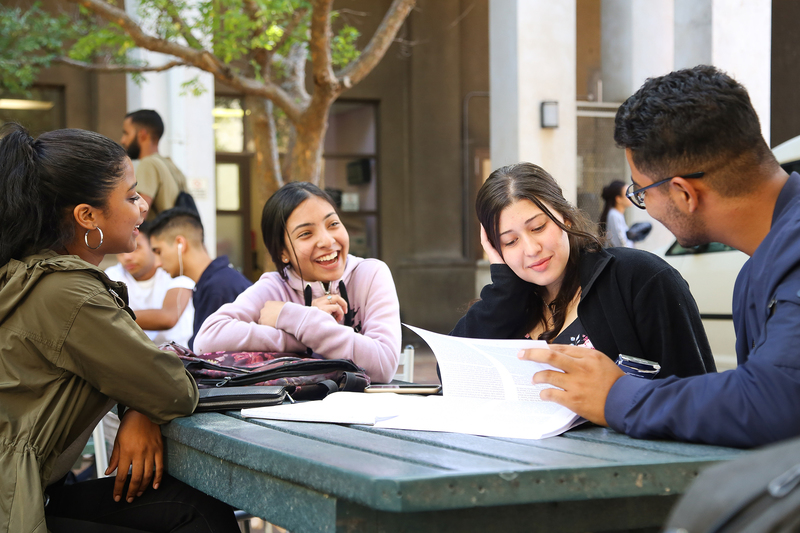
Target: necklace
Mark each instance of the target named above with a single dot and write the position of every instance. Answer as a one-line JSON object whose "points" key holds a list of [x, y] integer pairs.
{"points": [[327, 290]]}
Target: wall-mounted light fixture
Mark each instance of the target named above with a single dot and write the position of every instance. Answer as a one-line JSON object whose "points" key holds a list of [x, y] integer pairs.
{"points": [[25, 105], [550, 114]]}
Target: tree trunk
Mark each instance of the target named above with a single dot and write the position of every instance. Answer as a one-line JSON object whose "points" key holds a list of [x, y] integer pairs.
{"points": [[308, 146], [265, 173]]}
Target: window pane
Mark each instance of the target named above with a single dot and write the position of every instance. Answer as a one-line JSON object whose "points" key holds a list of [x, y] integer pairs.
{"points": [[351, 129], [600, 161], [39, 111], [228, 124], [230, 239], [228, 187], [353, 180]]}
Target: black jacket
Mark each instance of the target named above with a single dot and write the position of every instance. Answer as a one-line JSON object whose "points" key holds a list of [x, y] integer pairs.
{"points": [[632, 302]]}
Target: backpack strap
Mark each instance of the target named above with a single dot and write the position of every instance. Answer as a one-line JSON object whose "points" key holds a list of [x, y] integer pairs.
{"points": [[353, 382], [307, 298], [330, 385], [348, 317]]}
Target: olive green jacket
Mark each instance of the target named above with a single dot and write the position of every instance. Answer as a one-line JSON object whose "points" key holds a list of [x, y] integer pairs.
{"points": [[68, 343]]}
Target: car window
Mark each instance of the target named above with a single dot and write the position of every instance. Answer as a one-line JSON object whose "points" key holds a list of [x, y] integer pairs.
{"points": [[791, 166], [710, 248]]}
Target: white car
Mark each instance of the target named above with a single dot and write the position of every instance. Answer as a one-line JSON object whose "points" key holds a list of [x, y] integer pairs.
{"points": [[711, 271]]}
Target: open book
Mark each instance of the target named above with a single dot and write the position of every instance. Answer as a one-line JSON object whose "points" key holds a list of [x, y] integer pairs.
{"points": [[487, 391]]}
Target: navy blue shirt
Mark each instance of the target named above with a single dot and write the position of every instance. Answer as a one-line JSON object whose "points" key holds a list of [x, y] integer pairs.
{"points": [[219, 284], [759, 401]]}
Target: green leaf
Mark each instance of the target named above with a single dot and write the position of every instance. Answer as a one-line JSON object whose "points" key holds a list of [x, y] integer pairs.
{"points": [[29, 41], [343, 46]]}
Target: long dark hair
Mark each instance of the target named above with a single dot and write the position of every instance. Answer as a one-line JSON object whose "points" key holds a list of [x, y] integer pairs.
{"points": [[278, 209], [610, 193], [526, 181], [42, 180]]}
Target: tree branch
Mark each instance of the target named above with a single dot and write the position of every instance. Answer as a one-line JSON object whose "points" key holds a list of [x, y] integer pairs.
{"points": [[110, 69], [260, 55], [380, 42], [320, 46], [297, 16], [294, 63], [186, 31], [202, 59]]}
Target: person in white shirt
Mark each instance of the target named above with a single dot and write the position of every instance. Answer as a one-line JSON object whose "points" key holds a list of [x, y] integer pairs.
{"points": [[163, 304], [612, 221]]}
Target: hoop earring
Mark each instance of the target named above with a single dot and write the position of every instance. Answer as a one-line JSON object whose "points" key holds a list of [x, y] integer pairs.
{"points": [[86, 239]]}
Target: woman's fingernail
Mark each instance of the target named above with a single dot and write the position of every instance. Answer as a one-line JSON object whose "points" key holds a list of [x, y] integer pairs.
{"points": [[116, 498], [130, 500]]}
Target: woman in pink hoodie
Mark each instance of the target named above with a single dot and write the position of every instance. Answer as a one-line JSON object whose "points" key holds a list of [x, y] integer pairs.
{"points": [[321, 300]]}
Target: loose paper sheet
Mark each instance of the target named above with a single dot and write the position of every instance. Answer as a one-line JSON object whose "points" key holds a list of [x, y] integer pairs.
{"points": [[487, 391]]}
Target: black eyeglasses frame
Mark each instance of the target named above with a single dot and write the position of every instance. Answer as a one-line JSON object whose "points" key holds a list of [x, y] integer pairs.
{"points": [[636, 196]]}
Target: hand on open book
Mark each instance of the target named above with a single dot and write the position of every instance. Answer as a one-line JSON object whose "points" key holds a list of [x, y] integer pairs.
{"points": [[494, 256], [586, 380]]}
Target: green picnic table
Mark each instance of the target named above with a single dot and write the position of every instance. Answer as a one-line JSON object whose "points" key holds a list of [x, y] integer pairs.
{"points": [[314, 477]]}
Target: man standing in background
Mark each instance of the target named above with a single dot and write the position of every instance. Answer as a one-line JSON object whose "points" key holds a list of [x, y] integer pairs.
{"points": [[159, 180]]}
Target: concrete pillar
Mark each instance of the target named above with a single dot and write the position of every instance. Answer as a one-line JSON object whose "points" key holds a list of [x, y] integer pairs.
{"points": [[188, 123], [734, 35], [531, 60], [637, 43]]}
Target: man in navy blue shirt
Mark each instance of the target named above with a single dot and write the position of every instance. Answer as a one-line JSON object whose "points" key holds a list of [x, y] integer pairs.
{"points": [[177, 238], [700, 165]]}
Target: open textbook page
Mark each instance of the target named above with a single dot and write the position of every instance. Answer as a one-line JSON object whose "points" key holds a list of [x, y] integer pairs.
{"points": [[487, 391], [490, 381], [485, 368], [491, 418]]}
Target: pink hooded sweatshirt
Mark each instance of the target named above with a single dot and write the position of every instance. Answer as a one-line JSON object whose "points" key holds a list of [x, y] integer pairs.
{"points": [[371, 292]]}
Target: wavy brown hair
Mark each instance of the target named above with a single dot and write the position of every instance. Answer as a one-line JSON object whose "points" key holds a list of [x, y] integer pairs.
{"points": [[526, 181]]}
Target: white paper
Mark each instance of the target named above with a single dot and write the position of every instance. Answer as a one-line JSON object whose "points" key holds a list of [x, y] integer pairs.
{"points": [[338, 408], [487, 391], [485, 368], [494, 387]]}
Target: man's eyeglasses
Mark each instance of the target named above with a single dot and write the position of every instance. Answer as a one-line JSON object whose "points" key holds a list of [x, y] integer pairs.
{"points": [[636, 196]]}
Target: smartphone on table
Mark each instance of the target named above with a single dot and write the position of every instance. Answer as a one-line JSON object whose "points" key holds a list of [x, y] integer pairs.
{"points": [[406, 388]]}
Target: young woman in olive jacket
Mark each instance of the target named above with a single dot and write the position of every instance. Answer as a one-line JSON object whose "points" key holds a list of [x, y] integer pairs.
{"points": [[552, 280], [70, 349]]}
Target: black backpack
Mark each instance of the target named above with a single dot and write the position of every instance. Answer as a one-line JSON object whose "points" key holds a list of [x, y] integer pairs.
{"points": [[757, 492]]}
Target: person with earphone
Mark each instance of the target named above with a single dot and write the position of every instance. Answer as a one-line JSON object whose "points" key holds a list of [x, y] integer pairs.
{"points": [[176, 237]]}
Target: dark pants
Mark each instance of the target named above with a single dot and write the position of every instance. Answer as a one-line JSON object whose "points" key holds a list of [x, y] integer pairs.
{"points": [[173, 508]]}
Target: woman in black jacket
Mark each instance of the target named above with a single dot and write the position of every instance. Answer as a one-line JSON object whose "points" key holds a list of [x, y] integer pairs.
{"points": [[552, 280]]}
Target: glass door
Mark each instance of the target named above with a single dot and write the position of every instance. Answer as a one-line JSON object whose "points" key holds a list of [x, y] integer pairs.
{"points": [[351, 175]]}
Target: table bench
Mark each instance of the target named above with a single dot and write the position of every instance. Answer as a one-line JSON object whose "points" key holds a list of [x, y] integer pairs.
{"points": [[311, 477]]}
